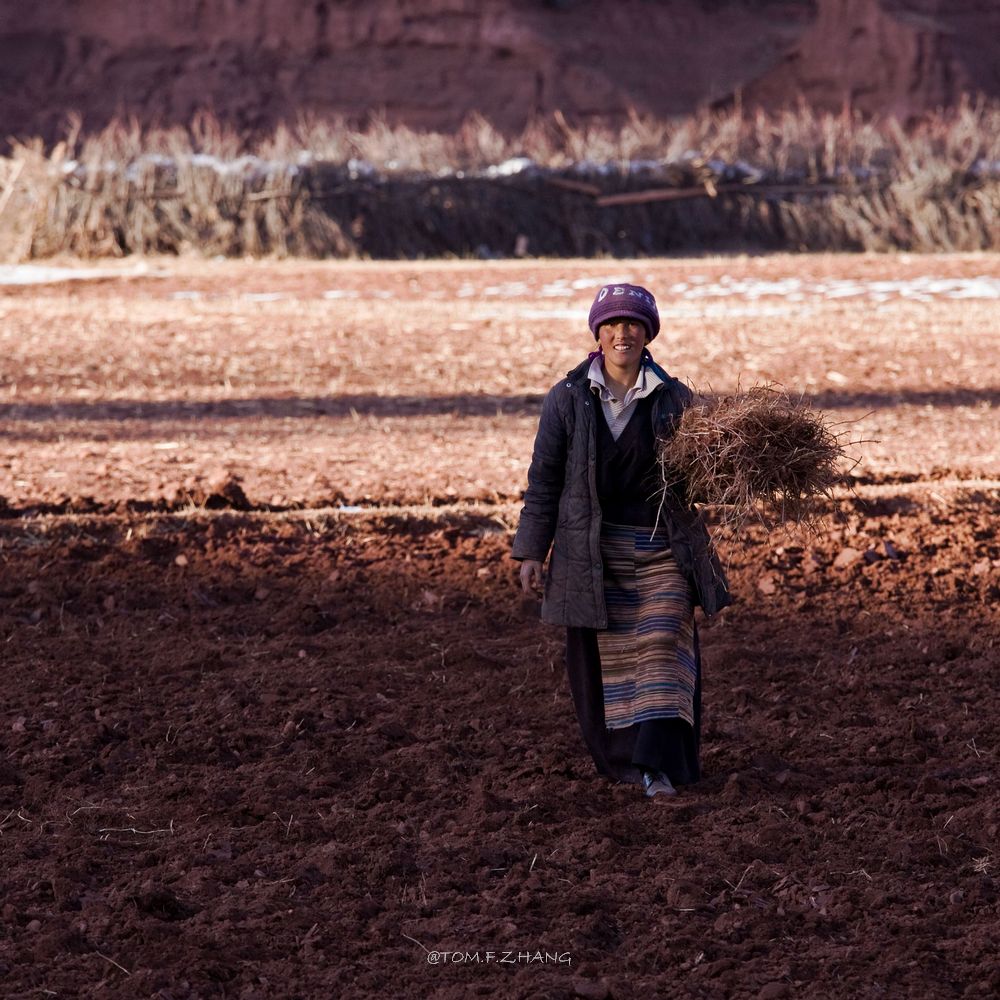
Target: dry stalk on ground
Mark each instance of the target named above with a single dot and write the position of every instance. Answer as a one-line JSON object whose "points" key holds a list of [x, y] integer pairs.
{"points": [[313, 187], [756, 456]]}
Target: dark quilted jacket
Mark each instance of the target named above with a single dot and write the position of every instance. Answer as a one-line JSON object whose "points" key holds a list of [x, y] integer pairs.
{"points": [[561, 509]]}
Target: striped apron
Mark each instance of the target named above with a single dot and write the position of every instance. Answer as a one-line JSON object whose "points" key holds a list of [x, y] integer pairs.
{"points": [[648, 664]]}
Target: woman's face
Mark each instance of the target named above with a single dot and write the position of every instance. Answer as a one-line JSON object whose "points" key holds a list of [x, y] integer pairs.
{"points": [[623, 339]]}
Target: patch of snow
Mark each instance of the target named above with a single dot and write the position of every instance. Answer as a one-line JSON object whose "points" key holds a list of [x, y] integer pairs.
{"points": [[588, 168], [38, 274], [134, 169], [922, 289], [644, 166], [582, 283], [508, 290], [985, 168], [976, 288], [842, 290], [360, 168], [510, 168], [572, 314]]}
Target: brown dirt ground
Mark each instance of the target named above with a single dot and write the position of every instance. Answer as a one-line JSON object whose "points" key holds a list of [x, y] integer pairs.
{"points": [[256, 747]]}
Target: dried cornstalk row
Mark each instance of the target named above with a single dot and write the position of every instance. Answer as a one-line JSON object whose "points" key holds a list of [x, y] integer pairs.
{"points": [[149, 207], [795, 179]]}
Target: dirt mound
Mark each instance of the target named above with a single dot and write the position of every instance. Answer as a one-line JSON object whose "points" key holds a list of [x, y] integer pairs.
{"points": [[219, 491]]}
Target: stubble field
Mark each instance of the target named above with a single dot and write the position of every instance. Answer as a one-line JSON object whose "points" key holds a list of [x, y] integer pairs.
{"points": [[278, 723]]}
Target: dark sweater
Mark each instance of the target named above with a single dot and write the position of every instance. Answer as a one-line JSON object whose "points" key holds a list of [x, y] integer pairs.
{"points": [[627, 472]]}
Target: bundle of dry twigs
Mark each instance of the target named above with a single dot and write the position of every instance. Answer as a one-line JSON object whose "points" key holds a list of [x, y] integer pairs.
{"points": [[757, 455]]}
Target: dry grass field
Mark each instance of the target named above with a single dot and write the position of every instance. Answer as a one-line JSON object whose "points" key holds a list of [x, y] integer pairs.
{"points": [[277, 721]]}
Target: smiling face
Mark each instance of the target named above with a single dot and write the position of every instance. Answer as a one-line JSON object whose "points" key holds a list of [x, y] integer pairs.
{"points": [[622, 340]]}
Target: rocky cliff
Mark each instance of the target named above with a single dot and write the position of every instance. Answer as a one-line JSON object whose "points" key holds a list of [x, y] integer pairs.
{"points": [[430, 62], [892, 56]]}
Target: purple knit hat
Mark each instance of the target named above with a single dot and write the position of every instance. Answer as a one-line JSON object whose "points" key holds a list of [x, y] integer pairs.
{"points": [[633, 301]]}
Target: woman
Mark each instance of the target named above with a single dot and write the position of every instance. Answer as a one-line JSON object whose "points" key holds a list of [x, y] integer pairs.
{"points": [[627, 565]]}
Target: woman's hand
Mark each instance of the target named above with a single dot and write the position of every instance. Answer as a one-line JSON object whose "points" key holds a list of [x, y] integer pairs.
{"points": [[532, 577]]}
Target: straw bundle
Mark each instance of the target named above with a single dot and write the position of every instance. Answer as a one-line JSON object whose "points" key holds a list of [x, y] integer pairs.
{"points": [[757, 456]]}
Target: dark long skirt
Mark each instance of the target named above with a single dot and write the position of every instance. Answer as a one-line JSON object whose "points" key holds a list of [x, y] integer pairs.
{"points": [[668, 745]]}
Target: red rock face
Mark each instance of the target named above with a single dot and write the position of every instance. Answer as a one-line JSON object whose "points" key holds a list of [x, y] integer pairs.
{"points": [[430, 63], [891, 57]]}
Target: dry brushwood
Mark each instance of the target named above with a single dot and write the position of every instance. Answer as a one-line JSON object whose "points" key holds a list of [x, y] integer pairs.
{"points": [[757, 455]]}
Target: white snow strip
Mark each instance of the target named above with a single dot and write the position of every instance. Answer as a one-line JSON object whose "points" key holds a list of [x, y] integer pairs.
{"points": [[353, 293], [582, 283], [922, 289], [976, 288], [508, 290], [578, 315], [510, 168], [37, 274]]}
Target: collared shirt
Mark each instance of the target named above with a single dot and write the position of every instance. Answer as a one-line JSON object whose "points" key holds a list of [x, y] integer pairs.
{"points": [[618, 411]]}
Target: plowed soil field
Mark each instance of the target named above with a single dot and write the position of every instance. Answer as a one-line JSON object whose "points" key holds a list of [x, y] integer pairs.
{"points": [[278, 723]]}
